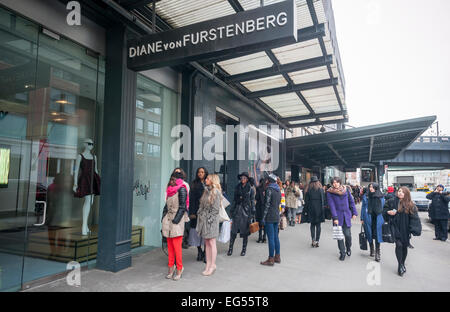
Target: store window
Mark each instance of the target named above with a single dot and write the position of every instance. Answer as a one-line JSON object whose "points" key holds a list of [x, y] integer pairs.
{"points": [[52, 90], [139, 148], [159, 110], [153, 128], [139, 125]]}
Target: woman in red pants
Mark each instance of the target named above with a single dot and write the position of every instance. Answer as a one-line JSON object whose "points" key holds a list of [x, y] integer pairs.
{"points": [[174, 217]]}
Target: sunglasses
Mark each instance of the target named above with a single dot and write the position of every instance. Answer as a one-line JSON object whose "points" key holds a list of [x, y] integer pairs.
{"points": [[90, 144]]}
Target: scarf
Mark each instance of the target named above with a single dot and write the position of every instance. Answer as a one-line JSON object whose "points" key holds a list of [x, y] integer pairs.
{"points": [[172, 190], [242, 193], [340, 191]]}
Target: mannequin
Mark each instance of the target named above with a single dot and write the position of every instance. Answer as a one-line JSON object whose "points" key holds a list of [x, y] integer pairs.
{"points": [[86, 181]]}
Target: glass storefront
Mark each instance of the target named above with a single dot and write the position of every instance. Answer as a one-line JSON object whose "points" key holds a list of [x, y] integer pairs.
{"points": [[51, 103], [157, 112]]}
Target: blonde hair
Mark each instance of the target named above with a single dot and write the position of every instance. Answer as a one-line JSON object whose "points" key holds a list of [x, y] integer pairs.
{"points": [[215, 185]]}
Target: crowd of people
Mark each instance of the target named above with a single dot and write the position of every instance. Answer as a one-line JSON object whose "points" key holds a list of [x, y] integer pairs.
{"points": [[192, 211]]}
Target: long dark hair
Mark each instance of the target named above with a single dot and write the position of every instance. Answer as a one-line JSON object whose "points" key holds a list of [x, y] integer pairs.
{"points": [[197, 179], [377, 192], [313, 185], [406, 204]]}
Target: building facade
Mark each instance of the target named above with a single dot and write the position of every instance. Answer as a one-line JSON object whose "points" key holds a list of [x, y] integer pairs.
{"points": [[88, 140]]}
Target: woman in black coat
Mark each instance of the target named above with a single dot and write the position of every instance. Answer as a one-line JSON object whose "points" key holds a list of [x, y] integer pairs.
{"points": [[374, 210], [242, 212], [260, 210], [196, 191], [314, 205], [402, 214]]}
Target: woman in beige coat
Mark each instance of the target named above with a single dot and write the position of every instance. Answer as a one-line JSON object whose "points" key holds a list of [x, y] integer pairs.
{"points": [[292, 195], [208, 220], [174, 217]]}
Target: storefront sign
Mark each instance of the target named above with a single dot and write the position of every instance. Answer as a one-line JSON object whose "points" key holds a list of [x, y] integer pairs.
{"points": [[263, 28]]}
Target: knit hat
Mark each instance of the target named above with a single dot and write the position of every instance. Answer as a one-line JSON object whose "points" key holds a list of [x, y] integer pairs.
{"points": [[272, 178]]}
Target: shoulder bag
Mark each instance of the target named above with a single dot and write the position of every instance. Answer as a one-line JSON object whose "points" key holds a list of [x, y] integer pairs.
{"points": [[362, 239], [223, 216]]}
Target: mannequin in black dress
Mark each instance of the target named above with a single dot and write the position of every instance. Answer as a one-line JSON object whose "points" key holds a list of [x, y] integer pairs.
{"points": [[86, 182]]}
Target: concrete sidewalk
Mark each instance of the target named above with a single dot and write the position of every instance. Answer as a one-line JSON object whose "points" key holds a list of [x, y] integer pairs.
{"points": [[302, 269]]}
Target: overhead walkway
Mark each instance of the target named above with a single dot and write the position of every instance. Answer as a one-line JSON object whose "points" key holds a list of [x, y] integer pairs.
{"points": [[355, 147], [425, 153]]}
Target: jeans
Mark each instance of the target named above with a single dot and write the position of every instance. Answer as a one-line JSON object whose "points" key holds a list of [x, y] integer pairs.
{"points": [[273, 239], [291, 213], [440, 229], [348, 239], [315, 231]]}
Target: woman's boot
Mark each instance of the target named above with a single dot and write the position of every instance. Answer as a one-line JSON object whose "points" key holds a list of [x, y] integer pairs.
{"points": [[199, 254], [378, 253], [244, 246], [260, 238], [270, 262], [372, 250], [230, 249]]}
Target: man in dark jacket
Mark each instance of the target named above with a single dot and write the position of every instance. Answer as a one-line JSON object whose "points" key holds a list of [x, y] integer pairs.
{"points": [[439, 212], [271, 219]]}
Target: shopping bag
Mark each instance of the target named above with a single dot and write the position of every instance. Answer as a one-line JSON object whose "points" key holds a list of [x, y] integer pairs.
{"points": [[387, 233], [254, 227], [337, 232], [223, 215], [283, 222], [362, 239], [224, 235]]}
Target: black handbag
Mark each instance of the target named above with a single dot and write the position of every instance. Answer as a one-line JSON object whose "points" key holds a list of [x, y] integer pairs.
{"points": [[387, 233], [362, 239], [305, 215]]}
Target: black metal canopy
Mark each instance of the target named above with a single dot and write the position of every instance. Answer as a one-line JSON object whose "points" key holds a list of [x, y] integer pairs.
{"points": [[297, 84], [353, 147]]}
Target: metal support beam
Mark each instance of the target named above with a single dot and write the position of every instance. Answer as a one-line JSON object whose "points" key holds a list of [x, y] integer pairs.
{"points": [[310, 116], [293, 88], [313, 13], [318, 122], [372, 139], [282, 69], [236, 5]]}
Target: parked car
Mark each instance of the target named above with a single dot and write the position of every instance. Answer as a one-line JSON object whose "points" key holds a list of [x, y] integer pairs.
{"points": [[421, 201]]}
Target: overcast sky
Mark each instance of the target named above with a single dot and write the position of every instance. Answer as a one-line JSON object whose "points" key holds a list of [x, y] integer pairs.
{"points": [[396, 59]]}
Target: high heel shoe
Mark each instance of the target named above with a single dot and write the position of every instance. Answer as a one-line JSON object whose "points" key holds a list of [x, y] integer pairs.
{"points": [[210, 273], [171, 272], [178, 276]]}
